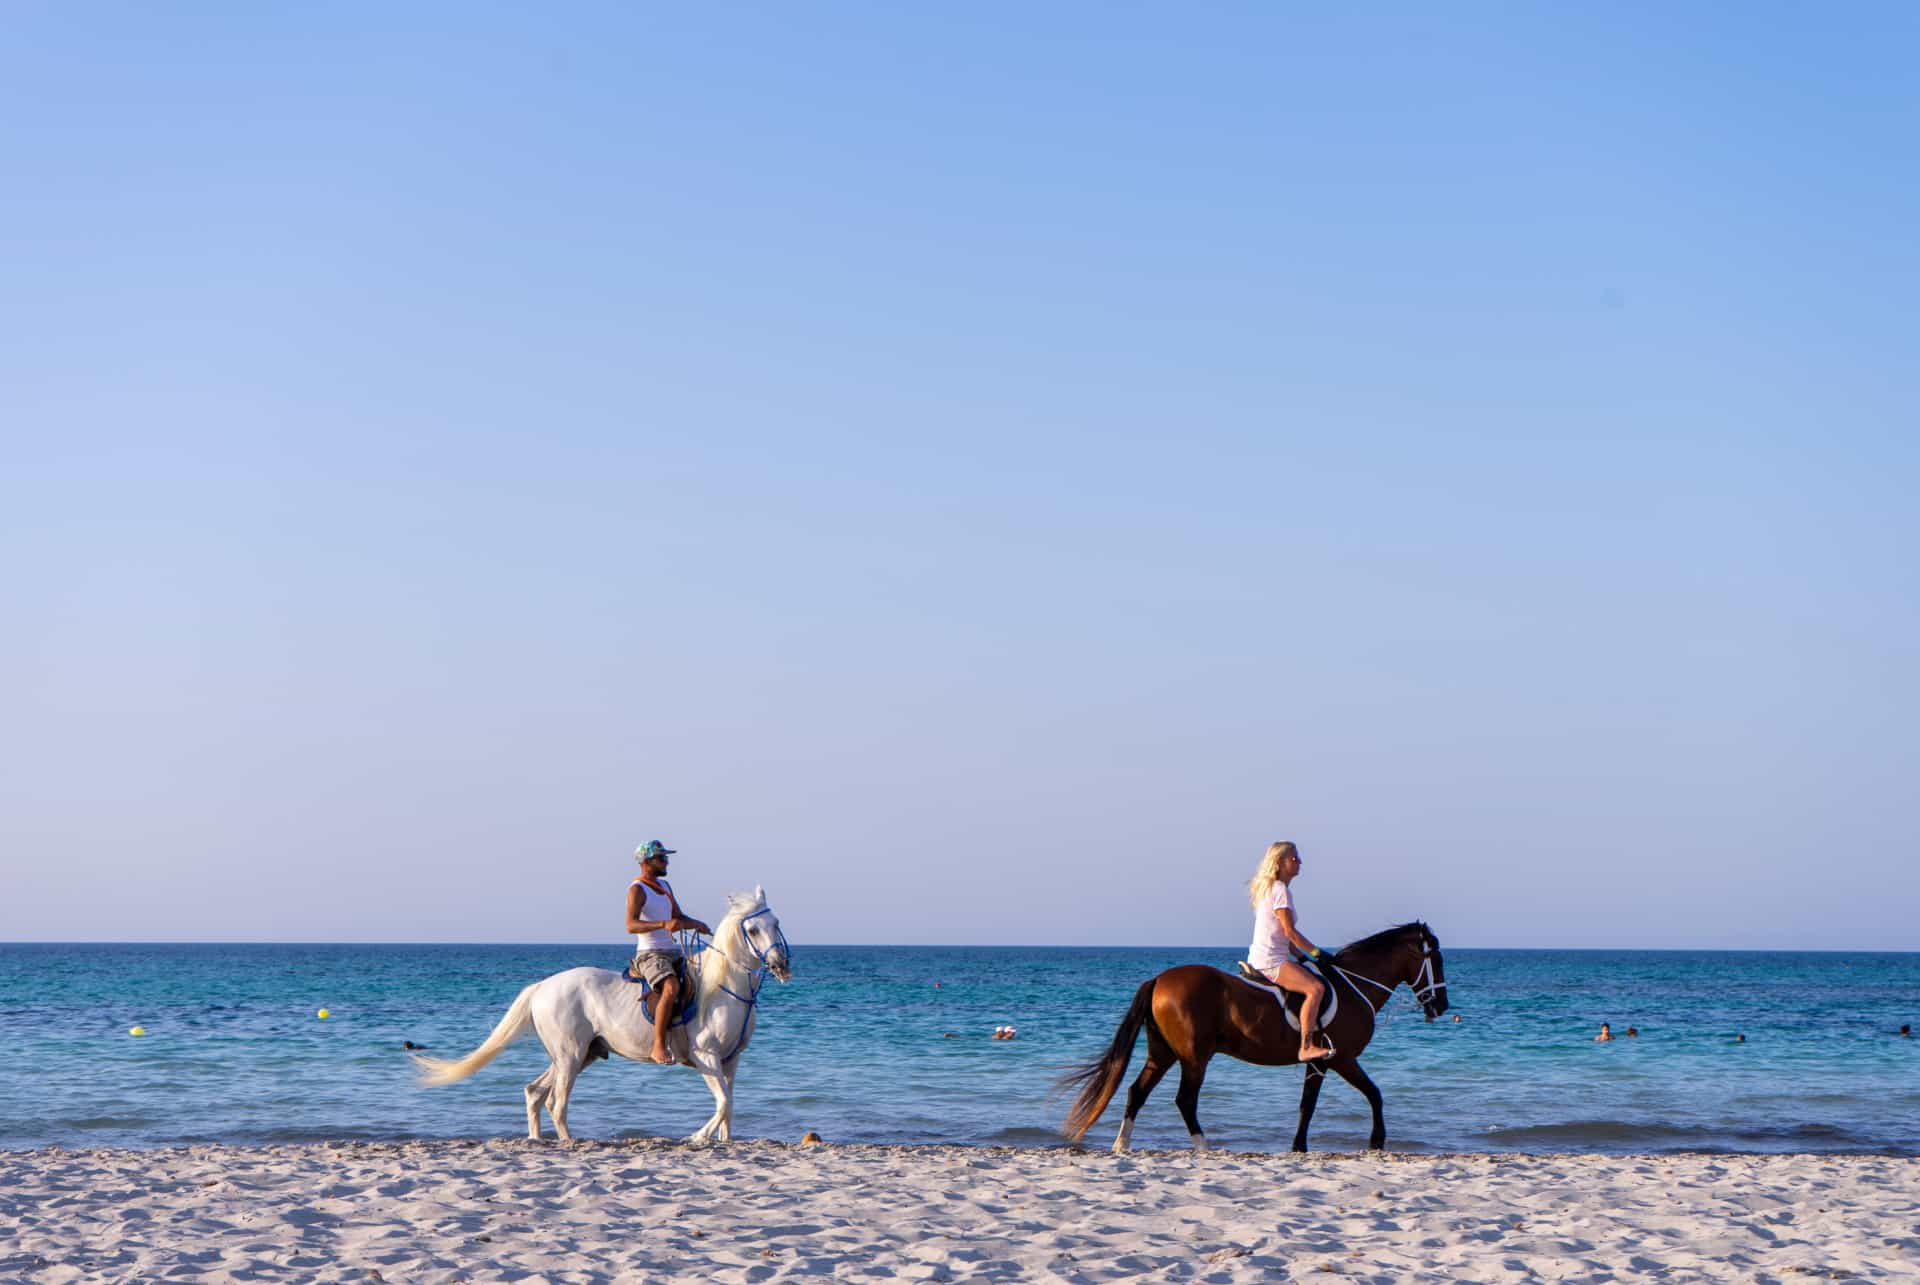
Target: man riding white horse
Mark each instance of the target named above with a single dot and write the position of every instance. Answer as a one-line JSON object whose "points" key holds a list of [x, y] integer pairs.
{"points": [[583, 1015], [653, 917]]}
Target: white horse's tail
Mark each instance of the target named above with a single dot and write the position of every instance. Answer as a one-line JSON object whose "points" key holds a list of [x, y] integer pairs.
{"points": [[434, 1070]]}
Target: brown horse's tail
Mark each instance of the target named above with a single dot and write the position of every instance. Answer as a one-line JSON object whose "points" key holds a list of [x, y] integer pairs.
{"points": [[1098, 1079]]}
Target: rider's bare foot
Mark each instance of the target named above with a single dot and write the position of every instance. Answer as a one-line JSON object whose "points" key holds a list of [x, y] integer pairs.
{"points": [[1314, 1052], [663, 1057]]}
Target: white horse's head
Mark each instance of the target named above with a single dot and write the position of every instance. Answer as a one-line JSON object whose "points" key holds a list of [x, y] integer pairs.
{"points": [[749, 916]]}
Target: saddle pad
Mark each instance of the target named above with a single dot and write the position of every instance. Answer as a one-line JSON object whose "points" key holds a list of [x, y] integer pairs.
{"points": [[689, 998], [1290, 1001]]}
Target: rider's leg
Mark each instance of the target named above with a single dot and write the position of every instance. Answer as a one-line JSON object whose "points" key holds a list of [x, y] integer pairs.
{"points": [[1291, 976], [1310, 1009], [667, 999]]}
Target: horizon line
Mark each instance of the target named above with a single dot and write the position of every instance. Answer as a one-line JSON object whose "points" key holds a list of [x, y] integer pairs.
{"points": [[573, 945]]}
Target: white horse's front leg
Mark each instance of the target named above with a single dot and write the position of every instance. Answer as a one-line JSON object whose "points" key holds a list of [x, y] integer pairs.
{"points": [[719, 1124], [722, 1086]]}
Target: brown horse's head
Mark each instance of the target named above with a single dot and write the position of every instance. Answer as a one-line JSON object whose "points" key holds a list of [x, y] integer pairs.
{"points": [[1409, 953], [1426, 972]]}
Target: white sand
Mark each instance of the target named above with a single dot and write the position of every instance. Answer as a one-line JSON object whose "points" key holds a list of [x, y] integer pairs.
{"points": [[650, 1211]]}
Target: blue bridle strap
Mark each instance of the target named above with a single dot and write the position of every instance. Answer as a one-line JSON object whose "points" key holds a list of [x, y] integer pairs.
{"points": [[757, 976]]}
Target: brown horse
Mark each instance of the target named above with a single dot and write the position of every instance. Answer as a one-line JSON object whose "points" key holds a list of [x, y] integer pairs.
{"points": [[1193, 1012]]}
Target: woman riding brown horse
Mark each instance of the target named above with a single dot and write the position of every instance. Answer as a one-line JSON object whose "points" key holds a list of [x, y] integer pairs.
{"points": [[1276, 932], [1193, 1012]]}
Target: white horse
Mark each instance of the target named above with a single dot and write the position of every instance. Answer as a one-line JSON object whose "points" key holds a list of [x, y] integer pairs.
{"points": [[585, 1013]]}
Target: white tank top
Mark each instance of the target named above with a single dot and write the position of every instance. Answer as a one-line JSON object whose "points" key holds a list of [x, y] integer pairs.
{"points": [[654, 905]]}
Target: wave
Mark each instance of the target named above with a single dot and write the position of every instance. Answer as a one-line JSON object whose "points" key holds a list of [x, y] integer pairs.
{"points": [[261, 1137], [108, 1122], [39, 1128], [1021, 1135], [1658, 1135]]}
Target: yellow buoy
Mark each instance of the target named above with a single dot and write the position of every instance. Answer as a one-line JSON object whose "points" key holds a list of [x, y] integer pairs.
{"points": [[138, 1030], [323, 1015]]}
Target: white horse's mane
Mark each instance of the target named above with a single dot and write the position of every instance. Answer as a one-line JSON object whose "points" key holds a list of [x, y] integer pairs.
{"points": [[728, 937]]}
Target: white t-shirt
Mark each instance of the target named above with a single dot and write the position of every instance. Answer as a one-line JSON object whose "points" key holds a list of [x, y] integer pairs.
{"points": [[1269, 949]]}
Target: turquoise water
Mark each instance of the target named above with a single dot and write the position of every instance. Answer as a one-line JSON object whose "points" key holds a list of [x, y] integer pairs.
{"points": [[854, 1048]]}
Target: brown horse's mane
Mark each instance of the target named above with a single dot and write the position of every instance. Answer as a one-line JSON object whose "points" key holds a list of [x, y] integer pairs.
{"points": [[1382, 939]]}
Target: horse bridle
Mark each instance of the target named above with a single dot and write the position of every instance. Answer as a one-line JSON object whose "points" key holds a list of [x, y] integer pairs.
{"points": [[756, 976], [1423, 985]]}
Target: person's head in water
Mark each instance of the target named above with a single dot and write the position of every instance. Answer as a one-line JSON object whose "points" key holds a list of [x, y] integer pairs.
{"points": [[1906, 1030], [1280, 865], [1606, 1033], [1633, 1032], [1739, 1039]]}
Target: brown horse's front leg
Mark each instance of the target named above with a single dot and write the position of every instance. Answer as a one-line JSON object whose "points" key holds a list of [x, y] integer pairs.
{"points": [[1309, 1096], [1352, 1074]]}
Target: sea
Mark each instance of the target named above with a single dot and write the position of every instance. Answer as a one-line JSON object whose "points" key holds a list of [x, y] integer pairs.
{"points": [[879, 1044]]}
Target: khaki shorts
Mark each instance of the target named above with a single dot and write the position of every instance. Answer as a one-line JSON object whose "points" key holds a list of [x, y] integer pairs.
{"points": [[656, 966]]}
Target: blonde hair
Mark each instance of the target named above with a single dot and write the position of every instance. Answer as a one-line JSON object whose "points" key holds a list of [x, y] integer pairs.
{"points": [[1269, 872]]}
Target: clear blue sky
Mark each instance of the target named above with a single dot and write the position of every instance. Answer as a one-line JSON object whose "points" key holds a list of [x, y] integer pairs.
{"points": [[981, 470]]}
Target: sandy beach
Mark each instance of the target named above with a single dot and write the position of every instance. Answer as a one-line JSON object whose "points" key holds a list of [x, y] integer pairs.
{"points": [[646, 1211]]}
